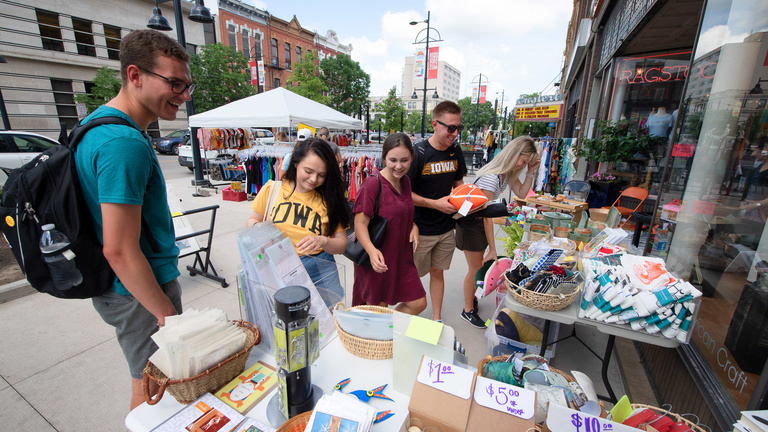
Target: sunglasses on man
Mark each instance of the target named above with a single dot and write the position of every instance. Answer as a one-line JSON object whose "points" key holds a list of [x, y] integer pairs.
{"points": [[452, 128]]}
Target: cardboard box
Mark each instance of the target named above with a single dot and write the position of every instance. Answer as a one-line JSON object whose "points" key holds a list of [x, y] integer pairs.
{"points": [[230, 195], [437, 408], [486, 419]]}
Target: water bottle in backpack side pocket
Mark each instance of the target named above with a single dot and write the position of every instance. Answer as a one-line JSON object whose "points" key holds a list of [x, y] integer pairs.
{"points": [[60, 259]]}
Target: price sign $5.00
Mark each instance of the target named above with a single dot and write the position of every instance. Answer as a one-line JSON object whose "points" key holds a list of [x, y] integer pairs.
{"points": [[505, 398]]}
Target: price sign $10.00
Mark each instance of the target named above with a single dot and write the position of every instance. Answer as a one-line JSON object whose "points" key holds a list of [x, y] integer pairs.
{"points": [[564, 419]]}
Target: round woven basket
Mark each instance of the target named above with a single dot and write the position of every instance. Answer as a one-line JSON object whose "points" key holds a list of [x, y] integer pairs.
{"points": [[297, 423], [544, 302], [366, 348], [188, 389], [568, 377], [676, 417]]}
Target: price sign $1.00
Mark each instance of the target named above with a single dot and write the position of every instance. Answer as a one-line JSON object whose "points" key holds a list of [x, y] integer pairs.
{"points": [[564, 419], [446, 377], [506, 398]]}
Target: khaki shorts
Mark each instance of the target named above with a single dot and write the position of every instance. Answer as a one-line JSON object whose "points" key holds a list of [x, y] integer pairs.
{"points": [[435, 251]]}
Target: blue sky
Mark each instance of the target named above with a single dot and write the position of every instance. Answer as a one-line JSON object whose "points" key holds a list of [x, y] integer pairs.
{"points": [[516, 44]]}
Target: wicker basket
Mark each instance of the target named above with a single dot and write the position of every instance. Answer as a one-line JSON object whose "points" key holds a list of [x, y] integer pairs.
{"points": [[544, 302], [296, 424], [188, 389], [676, 417], [365, 348]]}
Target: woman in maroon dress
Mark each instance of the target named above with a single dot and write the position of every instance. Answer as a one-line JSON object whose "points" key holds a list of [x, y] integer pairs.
{"points": [[391, 278]]}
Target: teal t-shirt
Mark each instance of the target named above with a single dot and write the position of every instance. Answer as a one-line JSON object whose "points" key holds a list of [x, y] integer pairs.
{"points": [[116, 164]]}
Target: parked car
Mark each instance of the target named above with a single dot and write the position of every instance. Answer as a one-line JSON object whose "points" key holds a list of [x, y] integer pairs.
{"points": [[262, 136], [378, 138], [185, 155], [170, 143], [17, 148]]}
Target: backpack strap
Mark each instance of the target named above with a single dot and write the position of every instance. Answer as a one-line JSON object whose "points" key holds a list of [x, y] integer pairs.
{"points": [[77, 134], [81, 128]]}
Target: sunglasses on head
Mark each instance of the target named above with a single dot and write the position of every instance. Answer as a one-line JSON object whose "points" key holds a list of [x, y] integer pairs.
{"points": [[452, 128]]}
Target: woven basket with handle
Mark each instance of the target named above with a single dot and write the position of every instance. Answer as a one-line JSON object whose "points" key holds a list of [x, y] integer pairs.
{"points": [[676, 417], [188, 389], [540, 301], [365, 348]]}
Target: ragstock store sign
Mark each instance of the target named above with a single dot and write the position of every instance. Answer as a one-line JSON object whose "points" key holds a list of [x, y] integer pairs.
{"points": [[540, 113]]}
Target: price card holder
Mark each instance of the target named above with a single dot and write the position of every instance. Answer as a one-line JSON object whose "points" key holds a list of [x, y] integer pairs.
{"points": [[495, 403], [564, 419], [444, 376], [434, 403]]}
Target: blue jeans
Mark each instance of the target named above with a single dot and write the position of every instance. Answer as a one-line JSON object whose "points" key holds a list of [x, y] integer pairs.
{"points": [[322, 270]]}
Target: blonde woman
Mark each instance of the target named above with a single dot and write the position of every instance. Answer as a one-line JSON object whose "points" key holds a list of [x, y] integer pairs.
{"points": [[475, 235]]}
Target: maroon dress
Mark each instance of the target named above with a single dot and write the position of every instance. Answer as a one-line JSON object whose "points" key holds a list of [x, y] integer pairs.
{"points": [[401, 282]]}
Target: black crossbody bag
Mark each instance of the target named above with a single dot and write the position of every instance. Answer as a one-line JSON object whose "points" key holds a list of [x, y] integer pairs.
{"points": [[376, 229]]}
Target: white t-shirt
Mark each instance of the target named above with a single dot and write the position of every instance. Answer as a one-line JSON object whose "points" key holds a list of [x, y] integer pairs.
{"points": [[493, 183]]}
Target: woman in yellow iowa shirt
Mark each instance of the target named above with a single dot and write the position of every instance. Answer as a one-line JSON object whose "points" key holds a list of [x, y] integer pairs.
{"points": [[310, 209]]}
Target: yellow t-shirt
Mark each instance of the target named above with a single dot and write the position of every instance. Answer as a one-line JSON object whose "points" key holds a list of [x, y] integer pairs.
{"points": [[297, 215]]}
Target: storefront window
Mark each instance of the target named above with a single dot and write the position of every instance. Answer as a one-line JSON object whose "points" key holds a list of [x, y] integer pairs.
{"points": [[646, 92], [717, 170]]}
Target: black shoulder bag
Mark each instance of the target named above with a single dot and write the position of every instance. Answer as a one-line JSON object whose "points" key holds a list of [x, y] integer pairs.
{"points": [[376, 229]]}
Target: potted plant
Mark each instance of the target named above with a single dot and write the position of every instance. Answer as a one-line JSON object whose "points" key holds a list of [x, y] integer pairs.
{"points": [[617, 142]]}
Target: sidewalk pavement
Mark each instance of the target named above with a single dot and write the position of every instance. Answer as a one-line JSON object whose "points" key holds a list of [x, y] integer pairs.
{"points": [[62, 369]]}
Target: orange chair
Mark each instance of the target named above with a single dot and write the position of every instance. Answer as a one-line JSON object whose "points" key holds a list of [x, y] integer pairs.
{"points": [[634, 193]]}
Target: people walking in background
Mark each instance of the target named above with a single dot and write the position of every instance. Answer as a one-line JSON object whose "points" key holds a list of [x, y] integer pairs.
{"points": [[310, 209], [391, 278], [301, 135], [475, 235], [281, 137], [437, 168], [124, 190]]}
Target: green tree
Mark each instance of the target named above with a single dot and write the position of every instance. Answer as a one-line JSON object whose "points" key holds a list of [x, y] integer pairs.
{"points": [[107, 84], [470, 117], [413, 122], [305, 80], [222, 76], [391, 108], [348, 84]]}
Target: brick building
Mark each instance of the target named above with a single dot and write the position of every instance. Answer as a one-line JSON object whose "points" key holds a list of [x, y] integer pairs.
{"points": [[279, 43]]}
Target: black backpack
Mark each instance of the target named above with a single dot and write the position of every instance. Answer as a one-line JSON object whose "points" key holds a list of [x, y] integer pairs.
{"points": [[46, 190]]}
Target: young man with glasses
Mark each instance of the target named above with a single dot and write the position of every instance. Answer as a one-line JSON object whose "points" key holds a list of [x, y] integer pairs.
{"points": [[124, 190], [437, 168]]}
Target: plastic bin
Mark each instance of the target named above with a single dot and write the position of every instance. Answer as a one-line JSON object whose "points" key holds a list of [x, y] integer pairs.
{"points": [[498, 345]]}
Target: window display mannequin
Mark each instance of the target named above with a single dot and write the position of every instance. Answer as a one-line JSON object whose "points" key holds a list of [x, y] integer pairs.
{"points": [[659, 123]]}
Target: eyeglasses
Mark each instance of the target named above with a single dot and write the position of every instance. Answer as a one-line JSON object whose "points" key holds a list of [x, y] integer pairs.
{"points": [[177, 87], [452, 128]]}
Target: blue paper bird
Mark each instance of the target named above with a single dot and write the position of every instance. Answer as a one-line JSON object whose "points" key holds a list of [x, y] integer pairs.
{"points": [[365, 396], [382, 415], [341, 384]]}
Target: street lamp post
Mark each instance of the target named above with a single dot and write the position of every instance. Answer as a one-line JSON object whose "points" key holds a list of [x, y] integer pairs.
{"points": [[4, 112], [426, 69], [201, 14]]}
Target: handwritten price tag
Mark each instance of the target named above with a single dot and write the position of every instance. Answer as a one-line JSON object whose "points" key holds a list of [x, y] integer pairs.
{"points": [[446, 377], [506, 398], [564, 419]]}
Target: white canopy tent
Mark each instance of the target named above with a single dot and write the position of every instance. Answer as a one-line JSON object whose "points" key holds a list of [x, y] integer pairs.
{"points": [[274, 108]]}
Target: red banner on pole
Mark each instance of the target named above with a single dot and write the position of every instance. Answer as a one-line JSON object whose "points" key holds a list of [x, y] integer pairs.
{"points": [[254, 73], [433, 61], [482, 94]]}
